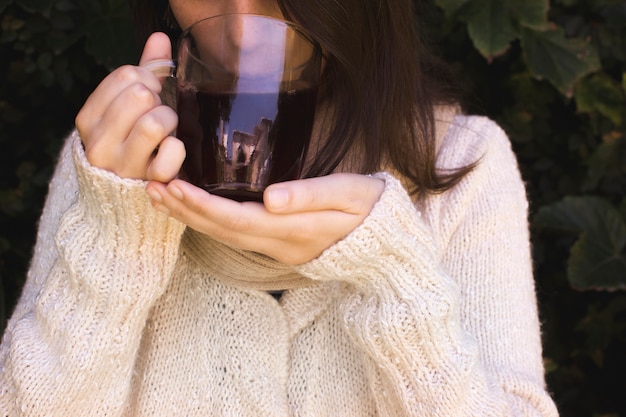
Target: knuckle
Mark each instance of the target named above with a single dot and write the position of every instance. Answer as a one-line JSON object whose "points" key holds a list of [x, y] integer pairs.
{"points": [[168, 118], [150, 125], [142, 95], [127, 73]]}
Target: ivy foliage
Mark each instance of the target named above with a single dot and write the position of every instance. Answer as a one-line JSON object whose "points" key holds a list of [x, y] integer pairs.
{"points": [[598, 258], [493, 25], [552, 73]]}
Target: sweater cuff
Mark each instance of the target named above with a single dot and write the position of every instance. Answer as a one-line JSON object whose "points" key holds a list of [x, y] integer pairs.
{"points": [[388, 237], [120, 205]]}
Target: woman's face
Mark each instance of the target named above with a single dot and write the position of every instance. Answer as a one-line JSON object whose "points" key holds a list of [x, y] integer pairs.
{"points": [[187, 12]]}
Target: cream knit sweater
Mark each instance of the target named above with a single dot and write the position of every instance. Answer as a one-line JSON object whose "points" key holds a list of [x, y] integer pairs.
{"points": [[425, 309]]}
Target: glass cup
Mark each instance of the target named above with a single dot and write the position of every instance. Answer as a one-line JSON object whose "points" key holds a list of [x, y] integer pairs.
{"points": [[246, 95]]}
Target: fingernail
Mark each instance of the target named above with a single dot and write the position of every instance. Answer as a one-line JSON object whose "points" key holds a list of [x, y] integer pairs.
{"points": [[277, 198], [175, 192]]}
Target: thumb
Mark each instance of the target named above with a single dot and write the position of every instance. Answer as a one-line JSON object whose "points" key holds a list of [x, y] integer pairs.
{"points": [[349, 193], [157, 54]]}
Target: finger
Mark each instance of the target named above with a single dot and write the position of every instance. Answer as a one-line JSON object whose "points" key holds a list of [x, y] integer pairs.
{"points": [[349, 193], [238, 224], [108, 90], [158, 46], [216, 210], [117, 121], [203, 211], [169, 158], [224, 219], [147, 133], [291, 239], [241, 223]]}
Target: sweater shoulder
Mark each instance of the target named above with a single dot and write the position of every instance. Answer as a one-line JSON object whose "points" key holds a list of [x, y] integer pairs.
{"points": [[493, 188], [479, 141], [470, 139]]}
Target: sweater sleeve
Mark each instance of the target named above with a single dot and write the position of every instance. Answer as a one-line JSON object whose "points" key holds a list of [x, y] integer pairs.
{"points": [[442, 302], [102, 258]]}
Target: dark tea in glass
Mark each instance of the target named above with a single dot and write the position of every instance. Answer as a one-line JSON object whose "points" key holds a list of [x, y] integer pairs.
{"points": [[238, 143], [246, 96]]}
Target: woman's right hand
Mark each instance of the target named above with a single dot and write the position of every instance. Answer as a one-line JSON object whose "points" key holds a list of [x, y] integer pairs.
{"points": [[124, 126]]}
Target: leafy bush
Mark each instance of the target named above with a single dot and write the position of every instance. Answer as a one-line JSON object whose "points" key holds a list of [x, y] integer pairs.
{"points": [[54, 54], [553, 74]]}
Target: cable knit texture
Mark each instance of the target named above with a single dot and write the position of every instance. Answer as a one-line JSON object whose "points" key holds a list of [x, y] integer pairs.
{"points": [[426, 309]]}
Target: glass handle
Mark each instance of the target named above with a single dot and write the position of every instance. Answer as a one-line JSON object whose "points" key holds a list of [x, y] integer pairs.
{"points": [[161, 67]]}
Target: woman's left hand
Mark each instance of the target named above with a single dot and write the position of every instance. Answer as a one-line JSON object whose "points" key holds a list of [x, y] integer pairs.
{"points": [[296, 223]]}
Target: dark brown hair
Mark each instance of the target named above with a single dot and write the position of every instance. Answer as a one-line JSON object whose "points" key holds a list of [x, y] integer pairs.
{"points": [[380, 81]]}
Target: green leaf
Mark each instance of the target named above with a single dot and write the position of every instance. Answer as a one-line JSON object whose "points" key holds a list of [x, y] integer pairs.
{"points": [[597, 259], [494, 24], [562, 61], [600, 93], [490, 27], [607, 162], [531, 13], [593, 267]]}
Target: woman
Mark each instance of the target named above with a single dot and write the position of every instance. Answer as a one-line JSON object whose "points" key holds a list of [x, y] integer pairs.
{"points": [[405, 274]]}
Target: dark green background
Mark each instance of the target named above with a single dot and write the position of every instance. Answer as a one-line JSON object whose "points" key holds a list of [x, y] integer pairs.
{"points": [[553, 74]]}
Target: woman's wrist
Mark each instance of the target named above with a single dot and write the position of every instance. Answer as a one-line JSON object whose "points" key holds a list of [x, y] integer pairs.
{"points": [[393, 231]]}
